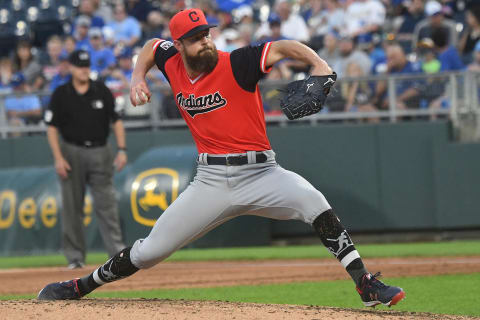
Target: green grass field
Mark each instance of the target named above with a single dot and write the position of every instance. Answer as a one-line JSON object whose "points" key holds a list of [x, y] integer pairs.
{"points": [[421, 249], [422, 294], [447, 294]]}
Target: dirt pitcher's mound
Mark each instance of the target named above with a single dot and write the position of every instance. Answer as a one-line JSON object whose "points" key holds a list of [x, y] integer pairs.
{"points": [[231, 273], [138, 309]]}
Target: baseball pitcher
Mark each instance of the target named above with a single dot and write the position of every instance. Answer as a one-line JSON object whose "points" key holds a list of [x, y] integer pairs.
{"points": [[218, 96]]}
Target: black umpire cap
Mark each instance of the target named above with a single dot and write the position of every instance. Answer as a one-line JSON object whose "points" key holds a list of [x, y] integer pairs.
{"points": [[79, 58]]}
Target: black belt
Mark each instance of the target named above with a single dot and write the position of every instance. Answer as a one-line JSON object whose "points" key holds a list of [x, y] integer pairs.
{"points": [[88, 143], [235, 160]]}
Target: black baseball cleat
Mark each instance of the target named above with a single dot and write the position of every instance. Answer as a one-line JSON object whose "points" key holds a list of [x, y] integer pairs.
{"points": [[67, 290], [373, 292]]}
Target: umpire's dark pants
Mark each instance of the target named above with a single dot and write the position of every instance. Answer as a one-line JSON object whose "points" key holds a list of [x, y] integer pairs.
{"points": [[92, 167]]}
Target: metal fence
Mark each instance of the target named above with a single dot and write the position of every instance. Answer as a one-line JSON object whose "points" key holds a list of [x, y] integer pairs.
{"points": [[368, 99]]}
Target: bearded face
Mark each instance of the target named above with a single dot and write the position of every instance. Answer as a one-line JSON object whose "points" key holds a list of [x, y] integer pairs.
{"points": [[204, 60]]}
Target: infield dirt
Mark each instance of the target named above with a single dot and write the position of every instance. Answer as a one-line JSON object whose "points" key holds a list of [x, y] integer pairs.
{"points": [[135, 309], [212, 274]]}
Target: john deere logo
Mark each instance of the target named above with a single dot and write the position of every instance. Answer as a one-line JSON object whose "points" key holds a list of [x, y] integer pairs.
{"points": [[152, 192]]}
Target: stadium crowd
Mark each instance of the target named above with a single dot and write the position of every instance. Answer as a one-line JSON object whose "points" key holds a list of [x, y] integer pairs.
{"points": [[357, 38]]}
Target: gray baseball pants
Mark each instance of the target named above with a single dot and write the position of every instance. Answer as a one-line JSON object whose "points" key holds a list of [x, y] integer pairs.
{"points": [[219, 193], [92, 167]]}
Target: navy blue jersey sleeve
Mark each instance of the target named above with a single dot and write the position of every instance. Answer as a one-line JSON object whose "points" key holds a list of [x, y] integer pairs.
{"points": [[249, 65], [163, 50]]}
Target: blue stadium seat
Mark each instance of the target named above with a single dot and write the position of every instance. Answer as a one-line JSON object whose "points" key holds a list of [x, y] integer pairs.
{"points": [[68, 3], [48, 15], [17, 5], [64, 12], [32, 13], [7, 38], [42, 16], [4, 15], [43, 30], [8, 16], [41, 4], [5, 4]]}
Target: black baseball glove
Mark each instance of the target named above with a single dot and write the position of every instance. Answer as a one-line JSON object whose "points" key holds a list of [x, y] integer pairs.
{"points": [[305, 97]]}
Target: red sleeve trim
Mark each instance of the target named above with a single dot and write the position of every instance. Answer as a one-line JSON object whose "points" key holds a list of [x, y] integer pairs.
{"points": [[263, 60], [155, 45]]}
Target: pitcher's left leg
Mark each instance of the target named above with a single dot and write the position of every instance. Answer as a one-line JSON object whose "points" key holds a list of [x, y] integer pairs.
{"points": [[335, 237], [281, 194]]}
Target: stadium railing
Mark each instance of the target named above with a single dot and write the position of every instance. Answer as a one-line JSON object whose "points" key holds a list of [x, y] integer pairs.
{"points": [[453, 95]]}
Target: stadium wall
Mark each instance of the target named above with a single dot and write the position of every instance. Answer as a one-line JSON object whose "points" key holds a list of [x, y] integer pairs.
{"points": [[406, 176]]}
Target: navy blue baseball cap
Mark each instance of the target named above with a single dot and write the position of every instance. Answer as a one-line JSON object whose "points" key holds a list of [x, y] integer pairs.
{"points": [[126, 52], [79, 58], [63, 56], [274, 19], [17, 79]]}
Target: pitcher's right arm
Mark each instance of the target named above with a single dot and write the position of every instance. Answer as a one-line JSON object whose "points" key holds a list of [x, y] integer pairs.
{"points": [[138, 84]]}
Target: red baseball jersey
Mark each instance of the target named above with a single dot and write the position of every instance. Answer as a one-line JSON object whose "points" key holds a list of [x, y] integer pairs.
{"points": [[223, 108]]}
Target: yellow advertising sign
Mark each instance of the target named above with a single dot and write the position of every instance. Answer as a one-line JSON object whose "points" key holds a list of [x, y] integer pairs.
{"points": [[28, 210], [149, 191]]}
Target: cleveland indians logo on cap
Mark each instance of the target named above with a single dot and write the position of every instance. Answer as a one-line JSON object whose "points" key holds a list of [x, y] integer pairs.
{"points": [[194, 16], [188, 22]]}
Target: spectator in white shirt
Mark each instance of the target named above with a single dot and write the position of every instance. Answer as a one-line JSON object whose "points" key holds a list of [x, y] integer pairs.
{"points": [[329, 19], [103, 9], [330, 51], [350, 55], [293, 25], [364, 16]]}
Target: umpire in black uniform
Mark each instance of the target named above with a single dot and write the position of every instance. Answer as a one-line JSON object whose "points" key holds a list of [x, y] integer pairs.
{"points": [[82, 111]]}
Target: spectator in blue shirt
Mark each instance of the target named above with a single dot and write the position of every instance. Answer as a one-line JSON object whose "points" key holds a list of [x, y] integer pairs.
{"points": [[449, 61], [61, 77], [120, 77], [63, 74], [154, 26], [229, 5], [87, 8], [275, 24], [21, 108], [408, 90], [370, 44], [69, 44], [447, 54], [139, 9], [82, 25], [126, 28], [414, 14], [102, 59]]}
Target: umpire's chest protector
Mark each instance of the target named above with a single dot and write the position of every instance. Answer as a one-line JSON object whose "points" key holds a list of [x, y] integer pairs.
{"points": [[222, 116]]}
